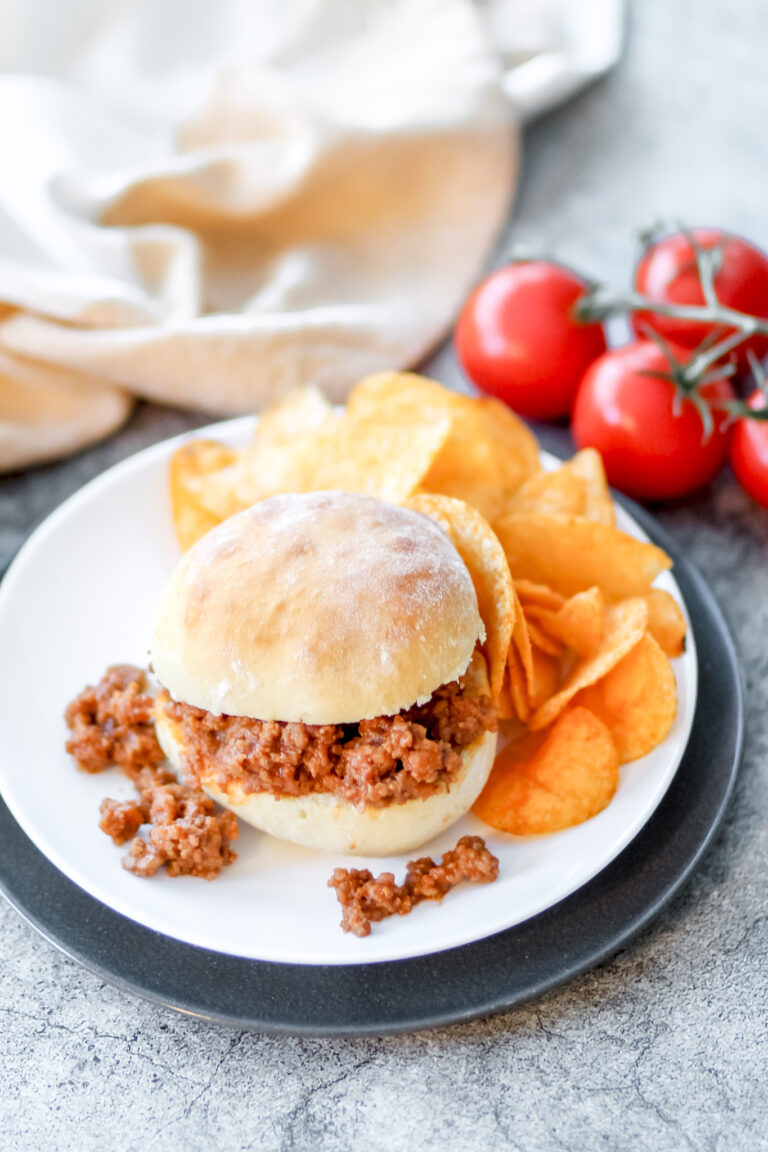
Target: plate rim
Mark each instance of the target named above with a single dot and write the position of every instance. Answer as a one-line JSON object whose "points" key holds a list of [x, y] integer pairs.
{"points": [[46, 915]]}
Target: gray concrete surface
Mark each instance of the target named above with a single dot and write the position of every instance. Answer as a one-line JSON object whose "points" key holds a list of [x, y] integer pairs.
{"points": [[665, 1047]]}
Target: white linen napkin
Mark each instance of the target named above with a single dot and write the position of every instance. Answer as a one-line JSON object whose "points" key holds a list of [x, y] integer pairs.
{"points": [[207, 204]]}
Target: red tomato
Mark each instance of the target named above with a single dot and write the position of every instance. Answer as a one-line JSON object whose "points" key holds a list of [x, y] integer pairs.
{"points": [[667, 272], [749, 453], [517, 338], [648, 451]]}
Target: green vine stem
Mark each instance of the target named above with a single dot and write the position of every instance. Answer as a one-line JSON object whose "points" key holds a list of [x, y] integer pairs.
{"points": [[602, 302]]}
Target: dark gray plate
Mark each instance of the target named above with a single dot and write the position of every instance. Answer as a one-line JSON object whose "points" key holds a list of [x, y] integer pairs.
{"points": [[462, 983]]}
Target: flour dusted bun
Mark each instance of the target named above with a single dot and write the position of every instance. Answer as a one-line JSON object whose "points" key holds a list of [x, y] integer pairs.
{"points": [[326, 608], [323, 821]]}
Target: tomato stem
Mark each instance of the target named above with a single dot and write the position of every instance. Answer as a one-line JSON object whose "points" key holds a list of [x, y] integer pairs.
{"points": [[737, 409], [704, 359], [603, 302], [729, 328]]}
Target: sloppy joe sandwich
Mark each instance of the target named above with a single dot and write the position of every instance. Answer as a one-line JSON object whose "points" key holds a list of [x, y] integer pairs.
{"points": [[321, 673]]}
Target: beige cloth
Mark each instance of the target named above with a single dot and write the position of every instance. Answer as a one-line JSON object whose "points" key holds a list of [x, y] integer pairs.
{"points": [[237, 198], [207, 204]]}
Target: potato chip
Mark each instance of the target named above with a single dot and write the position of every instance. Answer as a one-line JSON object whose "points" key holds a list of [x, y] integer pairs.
{"points": [[577, 488], [572, 554], [540, 595], [279, 457], [541, 639], [188, 465], [505, 707], [598, 504], [518, 688], [382, 460], [578, 624], [550, 781], [488, 453], [475, 466], [625, 625], [521, 642], [387, 461], [637, 700], [225, 491], [546, 677], [558, 491], [305, 410], [483, 555], [515, 446], [666, 622]]}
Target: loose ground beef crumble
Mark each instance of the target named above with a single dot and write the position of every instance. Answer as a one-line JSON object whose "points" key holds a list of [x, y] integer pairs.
{"points": [[112, 723], [390, 759], [365, 898]]}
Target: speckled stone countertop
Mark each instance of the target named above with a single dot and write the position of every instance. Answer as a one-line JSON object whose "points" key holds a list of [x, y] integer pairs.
{"points": [[665, 1046]]}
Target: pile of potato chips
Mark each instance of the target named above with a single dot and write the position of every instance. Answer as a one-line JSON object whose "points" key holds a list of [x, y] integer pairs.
{"points": [[578, 641]]}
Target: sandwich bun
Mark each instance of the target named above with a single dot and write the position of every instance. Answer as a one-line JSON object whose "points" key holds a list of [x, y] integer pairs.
{"points": [[324, 608]]}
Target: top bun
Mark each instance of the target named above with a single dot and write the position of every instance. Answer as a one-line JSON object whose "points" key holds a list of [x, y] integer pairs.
{"points": [[326, 608]]}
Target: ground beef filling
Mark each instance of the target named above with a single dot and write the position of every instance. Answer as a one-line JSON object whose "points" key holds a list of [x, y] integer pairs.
{"points": [[387, 760], [112, 724], [366, 898]]}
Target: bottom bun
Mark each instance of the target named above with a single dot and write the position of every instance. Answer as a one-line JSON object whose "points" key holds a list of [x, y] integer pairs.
{"points": [[326, 822]]}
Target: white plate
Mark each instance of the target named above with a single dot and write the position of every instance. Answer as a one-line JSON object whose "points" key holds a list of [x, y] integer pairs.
{"points": [[81, 595]]}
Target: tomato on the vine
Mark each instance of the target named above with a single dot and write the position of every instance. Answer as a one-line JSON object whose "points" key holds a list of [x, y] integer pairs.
{"points": [[517, 338], [650, 450], [667, 272], [749, 452]]}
